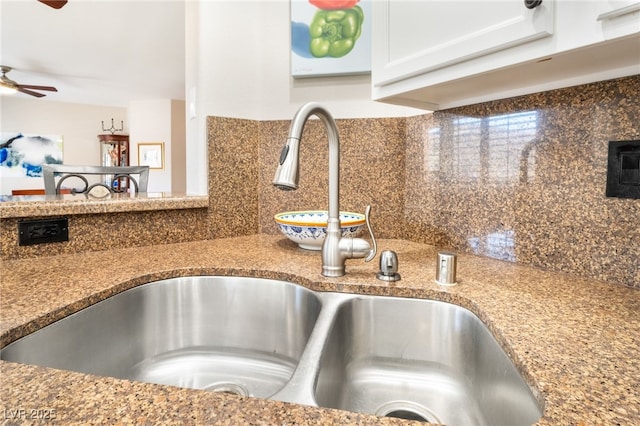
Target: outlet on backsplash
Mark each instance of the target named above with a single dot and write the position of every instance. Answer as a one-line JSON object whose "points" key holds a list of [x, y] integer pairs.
{"points": [[43, 231], [623, 169]]}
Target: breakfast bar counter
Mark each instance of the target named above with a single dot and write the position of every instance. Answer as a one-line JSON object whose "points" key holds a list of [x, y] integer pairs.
{"points": [[65, 204], [575, 341]]}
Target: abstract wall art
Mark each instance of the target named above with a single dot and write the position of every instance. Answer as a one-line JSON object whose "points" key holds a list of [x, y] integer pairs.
{"points": [[22, 155]]}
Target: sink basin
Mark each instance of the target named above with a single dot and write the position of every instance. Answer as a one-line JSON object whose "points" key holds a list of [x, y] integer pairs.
{"points": [[421, 360], [231, 334], [409, 358]]}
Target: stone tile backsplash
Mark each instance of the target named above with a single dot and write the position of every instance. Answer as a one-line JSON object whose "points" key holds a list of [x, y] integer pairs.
{"points": [[521, 179], [524, 180]]}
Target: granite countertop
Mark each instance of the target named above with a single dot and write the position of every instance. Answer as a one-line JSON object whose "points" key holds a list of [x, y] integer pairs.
{"points": [[575, 341], [52, 205]]}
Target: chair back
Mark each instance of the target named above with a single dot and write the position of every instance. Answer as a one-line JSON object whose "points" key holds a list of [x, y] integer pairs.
{"points": [[114, 179]]}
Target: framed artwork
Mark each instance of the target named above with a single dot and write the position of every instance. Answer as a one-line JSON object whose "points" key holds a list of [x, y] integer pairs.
{"points": [[330, 37], [22, 155], [151, 154]]}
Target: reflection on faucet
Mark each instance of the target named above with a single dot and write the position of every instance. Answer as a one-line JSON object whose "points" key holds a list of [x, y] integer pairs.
{"points": [[335, 249]]}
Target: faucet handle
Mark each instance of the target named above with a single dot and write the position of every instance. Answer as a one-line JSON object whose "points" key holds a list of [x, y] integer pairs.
{"points": [[374, 250], [358, 248]]}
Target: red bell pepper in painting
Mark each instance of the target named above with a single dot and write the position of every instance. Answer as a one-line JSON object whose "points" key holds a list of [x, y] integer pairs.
{"points": [[333, 4]]}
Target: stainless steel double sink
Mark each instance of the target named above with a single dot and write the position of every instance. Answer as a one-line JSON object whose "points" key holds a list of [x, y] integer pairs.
{"points": [[409, 358]]}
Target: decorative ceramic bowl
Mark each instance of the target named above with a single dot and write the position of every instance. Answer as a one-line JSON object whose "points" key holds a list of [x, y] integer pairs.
{"points": [[308, 228]]}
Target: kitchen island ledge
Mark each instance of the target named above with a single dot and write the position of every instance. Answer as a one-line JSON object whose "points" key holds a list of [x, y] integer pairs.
{"points": [[575, 341], [74, 204]]}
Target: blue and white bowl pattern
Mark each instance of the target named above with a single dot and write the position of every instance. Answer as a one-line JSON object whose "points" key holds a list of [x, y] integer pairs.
{"points": [[309, 228]]}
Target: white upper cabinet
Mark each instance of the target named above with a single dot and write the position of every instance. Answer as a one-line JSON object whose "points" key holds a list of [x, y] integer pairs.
{"points": [[437, 54], [429, 35]]}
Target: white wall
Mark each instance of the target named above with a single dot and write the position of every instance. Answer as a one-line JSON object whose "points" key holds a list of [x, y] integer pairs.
{"points": [[196, 144], [245, 71], [178, 148], [78, 124], [240, 67], [151, 121]]}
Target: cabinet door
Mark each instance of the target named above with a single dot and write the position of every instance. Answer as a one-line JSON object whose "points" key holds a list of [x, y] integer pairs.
{"points": [[618, 18], [416, 37]]}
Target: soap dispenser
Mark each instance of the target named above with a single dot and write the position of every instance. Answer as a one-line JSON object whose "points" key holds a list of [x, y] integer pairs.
{"points": [[388, 266]]}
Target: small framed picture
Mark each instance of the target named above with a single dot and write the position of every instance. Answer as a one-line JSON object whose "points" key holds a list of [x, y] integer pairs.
{"points": [[151, 154]]}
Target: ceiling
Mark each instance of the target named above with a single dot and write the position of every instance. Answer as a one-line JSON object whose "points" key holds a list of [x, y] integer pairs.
{"points": [[96, 52]]}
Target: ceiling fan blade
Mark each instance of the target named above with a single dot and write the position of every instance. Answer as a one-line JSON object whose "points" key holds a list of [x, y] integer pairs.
{"points": [[56, 4], [29, 92], [28, 86]]}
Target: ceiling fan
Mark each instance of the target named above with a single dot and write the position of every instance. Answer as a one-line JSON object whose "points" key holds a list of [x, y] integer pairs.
{"points": [[56, 4], [7, 83]]}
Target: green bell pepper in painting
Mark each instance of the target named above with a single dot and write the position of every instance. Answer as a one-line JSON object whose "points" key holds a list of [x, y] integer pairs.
{"points": [[334, 32]]}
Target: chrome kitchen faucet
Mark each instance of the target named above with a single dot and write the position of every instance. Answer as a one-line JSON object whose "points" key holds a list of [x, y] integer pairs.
{"points": [[335, 248]]}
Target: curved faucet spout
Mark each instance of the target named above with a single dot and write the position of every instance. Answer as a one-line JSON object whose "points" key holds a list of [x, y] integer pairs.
{"points": [[287, 173], [286, 177]]}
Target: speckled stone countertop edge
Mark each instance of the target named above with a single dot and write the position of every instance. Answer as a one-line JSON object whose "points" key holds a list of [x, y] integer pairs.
{"points": [[42, 206]]}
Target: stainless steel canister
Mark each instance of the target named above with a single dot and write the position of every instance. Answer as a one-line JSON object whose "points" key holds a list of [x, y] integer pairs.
{"points": [[446, 268]]}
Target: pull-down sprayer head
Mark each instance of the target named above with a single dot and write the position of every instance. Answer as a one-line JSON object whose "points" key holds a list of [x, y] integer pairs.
{"points": [[287, 175]]}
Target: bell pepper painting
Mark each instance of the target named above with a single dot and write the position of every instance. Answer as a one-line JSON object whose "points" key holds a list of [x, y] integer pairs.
{"points": [[330, 37]]}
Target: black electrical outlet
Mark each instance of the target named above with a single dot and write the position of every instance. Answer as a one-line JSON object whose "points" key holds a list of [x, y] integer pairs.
{"points": [[43, 231], [623, 169]]}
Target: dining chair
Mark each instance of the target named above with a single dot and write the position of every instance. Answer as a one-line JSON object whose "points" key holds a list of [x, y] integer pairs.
{"points": [[111, 179]]}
